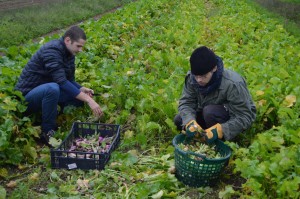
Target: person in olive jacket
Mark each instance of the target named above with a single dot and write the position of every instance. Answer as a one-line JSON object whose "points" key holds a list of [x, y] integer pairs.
{"points": [[215, 102], [48, 80]]}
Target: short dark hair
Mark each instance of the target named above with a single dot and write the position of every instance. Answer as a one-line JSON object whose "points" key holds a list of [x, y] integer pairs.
{"points": [[75, 33]]}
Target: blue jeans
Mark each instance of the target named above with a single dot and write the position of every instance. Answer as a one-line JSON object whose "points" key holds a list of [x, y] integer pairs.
{"points": [[46, 98]]}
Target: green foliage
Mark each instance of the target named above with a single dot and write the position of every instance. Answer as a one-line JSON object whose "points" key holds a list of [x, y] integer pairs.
{"points": [[137, 58], [271, 163], [2, 192], [17, 133], [286, 11], [22, 24]]}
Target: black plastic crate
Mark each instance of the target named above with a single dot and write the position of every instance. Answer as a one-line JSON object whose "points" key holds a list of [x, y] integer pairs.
{"points": [[62, 157]]}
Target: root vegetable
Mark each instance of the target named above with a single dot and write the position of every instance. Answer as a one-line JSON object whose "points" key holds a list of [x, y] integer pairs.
{"points": [[93, 144], [202, 149]]}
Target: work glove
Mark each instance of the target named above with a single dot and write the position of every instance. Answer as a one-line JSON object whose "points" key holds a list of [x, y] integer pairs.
{"points": [[213, 133], [192, 128]]}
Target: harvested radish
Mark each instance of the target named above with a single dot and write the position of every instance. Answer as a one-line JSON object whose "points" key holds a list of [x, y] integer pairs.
{"points": [[93, 144]]}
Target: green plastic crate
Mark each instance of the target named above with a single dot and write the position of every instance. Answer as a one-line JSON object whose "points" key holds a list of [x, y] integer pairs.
{"points": [[198, 173]]}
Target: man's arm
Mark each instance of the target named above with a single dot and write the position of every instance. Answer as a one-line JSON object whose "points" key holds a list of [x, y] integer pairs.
{"points": [[188, 102], [241, 110], [91, 102], [78, 94]]}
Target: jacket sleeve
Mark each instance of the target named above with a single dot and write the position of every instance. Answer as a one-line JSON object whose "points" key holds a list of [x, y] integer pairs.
{"points": [[70, 88], [241, 110], [188, 102], [76, 84]]}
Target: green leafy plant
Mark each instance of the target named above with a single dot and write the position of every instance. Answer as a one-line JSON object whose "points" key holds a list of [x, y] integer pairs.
{"points": [[137, 59]]}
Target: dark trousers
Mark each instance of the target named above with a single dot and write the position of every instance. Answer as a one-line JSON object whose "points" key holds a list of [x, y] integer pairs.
{"points": [[211, 115]]}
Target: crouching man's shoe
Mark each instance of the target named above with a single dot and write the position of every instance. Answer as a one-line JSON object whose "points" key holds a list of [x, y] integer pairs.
{"points": [[45, 137]]}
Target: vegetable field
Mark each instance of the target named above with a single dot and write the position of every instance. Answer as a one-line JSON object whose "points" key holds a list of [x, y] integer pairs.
{"points": [[137, 58]]}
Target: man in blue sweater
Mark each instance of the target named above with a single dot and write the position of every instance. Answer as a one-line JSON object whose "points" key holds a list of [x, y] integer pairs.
{"points": [[48, 80]]}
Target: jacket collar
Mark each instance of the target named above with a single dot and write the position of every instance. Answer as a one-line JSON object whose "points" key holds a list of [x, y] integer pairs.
{"points": [[67, 52]]}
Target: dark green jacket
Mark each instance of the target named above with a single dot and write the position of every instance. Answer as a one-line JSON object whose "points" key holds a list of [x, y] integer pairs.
{"points": [[232, 93]]}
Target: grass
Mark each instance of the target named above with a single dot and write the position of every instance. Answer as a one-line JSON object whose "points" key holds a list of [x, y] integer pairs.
{"points": [[19, 25], [286, 11], [65, 181]]}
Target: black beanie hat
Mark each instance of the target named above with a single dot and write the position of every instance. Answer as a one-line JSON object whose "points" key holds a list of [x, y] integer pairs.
{"points": [[202, 61]]}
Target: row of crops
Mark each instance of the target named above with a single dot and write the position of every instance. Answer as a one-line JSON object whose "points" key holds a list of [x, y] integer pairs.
{"points": [[137, 58]]}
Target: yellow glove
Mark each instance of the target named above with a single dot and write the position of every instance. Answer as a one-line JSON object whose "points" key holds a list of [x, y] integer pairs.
{"points": [[192, 128], [213, 133]]}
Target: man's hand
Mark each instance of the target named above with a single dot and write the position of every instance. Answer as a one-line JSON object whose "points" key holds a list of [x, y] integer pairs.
{"points": [[91, 102], [192, 128], [213, 133], [95, 108], [87, 91]]}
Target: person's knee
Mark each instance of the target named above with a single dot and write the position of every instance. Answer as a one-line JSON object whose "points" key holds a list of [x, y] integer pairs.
{"points": [[209, 111], [209, 115], [213, 114], [53, 89]]}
